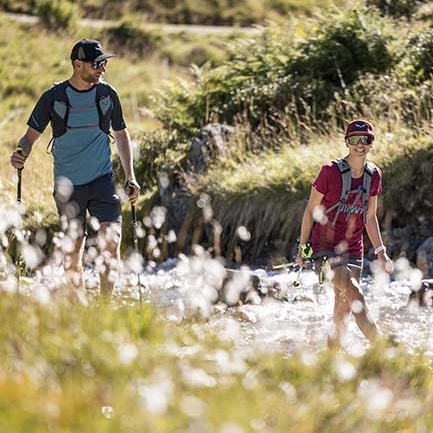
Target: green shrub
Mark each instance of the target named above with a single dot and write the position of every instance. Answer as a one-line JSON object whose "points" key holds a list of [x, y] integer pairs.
{"points": [[158, 150], [397, 8], [419, 57], [128, 35], [273, 82], [57, 14]]}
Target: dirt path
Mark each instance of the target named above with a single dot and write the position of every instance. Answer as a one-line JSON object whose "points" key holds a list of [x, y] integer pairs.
{"points": [[168, 28]]}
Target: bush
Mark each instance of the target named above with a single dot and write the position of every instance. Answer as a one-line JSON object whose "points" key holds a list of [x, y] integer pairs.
{"points": [[128, 35], [397, 8], [275, 83], [58, 14], [419, 57]]}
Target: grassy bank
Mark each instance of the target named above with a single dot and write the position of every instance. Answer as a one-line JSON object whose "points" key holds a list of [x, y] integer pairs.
{"points": [[285, 99]]}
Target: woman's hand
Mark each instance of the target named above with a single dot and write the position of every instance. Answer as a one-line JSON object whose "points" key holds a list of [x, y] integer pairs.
{"points": [[385, 262]]}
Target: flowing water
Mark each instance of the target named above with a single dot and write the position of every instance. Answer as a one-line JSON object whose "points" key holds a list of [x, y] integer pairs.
{"points": [[299, 318], [292, 317]]}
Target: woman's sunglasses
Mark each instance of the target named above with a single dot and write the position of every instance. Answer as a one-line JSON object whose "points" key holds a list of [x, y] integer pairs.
{"points": [[359, 139]]}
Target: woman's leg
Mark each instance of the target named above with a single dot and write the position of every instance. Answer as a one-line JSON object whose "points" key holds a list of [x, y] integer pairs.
{"points": [[348, 291], [341, 311]]}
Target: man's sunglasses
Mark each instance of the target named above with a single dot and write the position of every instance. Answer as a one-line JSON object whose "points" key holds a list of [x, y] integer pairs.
{"points": [[359, 139], [99, 65]]}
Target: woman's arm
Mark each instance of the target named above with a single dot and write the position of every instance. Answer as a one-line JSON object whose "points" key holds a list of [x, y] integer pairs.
{"points": [[312, 209], [373, 232]]}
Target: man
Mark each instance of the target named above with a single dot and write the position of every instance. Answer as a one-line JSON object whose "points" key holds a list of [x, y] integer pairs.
{"points": [[81, 111], [335, 222]]}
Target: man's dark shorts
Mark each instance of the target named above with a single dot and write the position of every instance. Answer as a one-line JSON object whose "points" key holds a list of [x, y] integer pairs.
{"points": [[98, 197]]}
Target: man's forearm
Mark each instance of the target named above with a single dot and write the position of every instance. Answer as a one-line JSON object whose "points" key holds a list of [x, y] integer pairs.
{"points": [[26, 144], [124, 149]]}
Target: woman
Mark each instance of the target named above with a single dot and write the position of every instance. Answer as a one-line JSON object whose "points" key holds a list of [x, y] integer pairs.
{"points": [[336, 222]]}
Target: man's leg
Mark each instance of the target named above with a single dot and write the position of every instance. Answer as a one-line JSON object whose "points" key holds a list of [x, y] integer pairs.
{"points": [[109, 237], [70, 203], [104, 207], [73, 264]]}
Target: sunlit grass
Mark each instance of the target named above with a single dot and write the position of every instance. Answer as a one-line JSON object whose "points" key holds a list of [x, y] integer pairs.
{"points": [[114, 368], [127, 367]]}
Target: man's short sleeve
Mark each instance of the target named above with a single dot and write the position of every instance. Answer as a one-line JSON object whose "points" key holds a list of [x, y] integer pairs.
{"points": [[41, 114], [117, 121]]}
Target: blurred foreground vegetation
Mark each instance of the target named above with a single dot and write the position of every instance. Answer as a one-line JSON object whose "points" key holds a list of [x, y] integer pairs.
{"points": [[123, 368], [214, 12], [287, 91]]}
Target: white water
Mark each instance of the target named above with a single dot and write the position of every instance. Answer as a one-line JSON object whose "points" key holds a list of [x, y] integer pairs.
{"points": [[187, 287], [184, 288]]}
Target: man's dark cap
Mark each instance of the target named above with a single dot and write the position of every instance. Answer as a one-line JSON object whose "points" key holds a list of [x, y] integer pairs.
{"points": [[89, 50]]}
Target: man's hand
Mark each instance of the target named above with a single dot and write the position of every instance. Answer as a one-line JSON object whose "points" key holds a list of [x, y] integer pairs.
{"points": [[18, 159], [132, 189]]}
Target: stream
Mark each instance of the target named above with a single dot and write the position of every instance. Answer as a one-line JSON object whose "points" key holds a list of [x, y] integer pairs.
{"points": [[291, 317], [295, 316]]}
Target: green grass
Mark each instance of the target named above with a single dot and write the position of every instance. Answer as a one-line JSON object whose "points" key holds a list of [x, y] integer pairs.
{"points": [[113, 368]]}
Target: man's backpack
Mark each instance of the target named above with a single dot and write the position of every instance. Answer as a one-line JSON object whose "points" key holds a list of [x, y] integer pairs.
{"points": [[363, 190], [59, 108]]}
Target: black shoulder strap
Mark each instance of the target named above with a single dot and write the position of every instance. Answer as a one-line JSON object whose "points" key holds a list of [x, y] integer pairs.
{"points": [[59, 106], [59, 111], [104, 105]]}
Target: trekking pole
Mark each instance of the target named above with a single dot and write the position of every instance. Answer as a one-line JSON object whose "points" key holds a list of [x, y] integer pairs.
{"points": [[134, 227], [297, 282], [19, 172], [135, 238], [19, 183], [286, 266], [306, 253]]}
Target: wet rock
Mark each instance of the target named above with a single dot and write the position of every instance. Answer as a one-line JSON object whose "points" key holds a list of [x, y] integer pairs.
{"points": [[188, 211], [424, 257], [240, 287], [209, 143], [422, 296]]}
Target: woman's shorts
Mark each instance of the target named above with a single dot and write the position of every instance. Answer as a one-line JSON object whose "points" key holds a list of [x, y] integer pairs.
{"points": [[333, 260]]}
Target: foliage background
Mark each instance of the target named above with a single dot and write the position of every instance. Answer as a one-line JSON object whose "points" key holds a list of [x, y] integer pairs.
{"points": [[125, 367], [288, 88]]}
